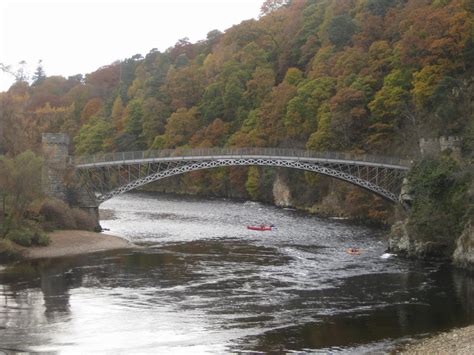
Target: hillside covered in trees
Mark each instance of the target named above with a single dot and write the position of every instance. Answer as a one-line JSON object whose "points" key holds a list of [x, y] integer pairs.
{"points": [[365, 76]]}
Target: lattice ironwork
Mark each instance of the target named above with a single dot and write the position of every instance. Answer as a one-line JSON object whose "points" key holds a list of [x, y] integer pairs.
{"points": [[108, 178]]}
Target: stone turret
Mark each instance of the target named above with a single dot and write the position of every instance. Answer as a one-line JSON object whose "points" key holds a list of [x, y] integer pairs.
{"points": [[452, 144], [429, 147], [433, 147], [56, 160]]}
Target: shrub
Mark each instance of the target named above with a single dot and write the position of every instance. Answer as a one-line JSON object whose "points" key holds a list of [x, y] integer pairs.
{"points": [[7, 251], [57, 215], [83, 219], [30, 233], [21, 236], [43, 239]]}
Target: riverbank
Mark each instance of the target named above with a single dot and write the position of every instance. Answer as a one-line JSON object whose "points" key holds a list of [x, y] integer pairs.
{"points": [[74, 242], [458, 341]]}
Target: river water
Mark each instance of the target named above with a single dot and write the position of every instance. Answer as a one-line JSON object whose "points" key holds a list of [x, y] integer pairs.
{"points": [[203, 283]]}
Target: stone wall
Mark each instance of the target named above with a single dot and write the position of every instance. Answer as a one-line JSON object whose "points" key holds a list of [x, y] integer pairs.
{"points": [[429, 147], [432, 147]]}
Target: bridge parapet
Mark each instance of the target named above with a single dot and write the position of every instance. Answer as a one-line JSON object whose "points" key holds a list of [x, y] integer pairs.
{"points": [[237, 152]]}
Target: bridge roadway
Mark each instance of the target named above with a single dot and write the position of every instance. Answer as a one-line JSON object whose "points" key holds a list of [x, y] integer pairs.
{"points": [[110, 174]]}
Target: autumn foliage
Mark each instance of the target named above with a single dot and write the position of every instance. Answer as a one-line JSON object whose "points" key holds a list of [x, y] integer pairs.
{"points": [[366, 76]]}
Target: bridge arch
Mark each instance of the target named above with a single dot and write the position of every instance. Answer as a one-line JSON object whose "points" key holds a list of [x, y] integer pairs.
{"points": [[114, 174]]}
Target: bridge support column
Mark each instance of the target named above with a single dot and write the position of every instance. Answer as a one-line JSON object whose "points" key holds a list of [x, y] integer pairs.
{"points": [[88, 203], [56, 173], [56, 158]]}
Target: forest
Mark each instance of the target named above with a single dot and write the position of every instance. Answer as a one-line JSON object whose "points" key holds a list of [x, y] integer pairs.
{"points": [[362, 76]]}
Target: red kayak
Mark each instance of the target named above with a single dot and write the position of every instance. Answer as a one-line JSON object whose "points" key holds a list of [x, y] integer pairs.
{"points": [[260, 228]]}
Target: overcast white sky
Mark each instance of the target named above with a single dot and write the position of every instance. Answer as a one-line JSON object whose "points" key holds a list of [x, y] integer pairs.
{"points": [[79, 36]]}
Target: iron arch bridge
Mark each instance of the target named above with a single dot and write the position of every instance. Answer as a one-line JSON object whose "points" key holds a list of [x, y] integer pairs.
{"points": [[111, 174]]}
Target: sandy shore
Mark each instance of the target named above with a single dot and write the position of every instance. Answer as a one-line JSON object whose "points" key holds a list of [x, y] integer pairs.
{"points": [[458, 341], [74, 242]]}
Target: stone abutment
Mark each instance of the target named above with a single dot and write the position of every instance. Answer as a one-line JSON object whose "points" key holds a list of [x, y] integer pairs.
{"points": [[58, 177]]}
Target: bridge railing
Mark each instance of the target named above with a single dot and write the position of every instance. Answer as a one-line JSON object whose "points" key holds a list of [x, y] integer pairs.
{"points": [[214, 152]]}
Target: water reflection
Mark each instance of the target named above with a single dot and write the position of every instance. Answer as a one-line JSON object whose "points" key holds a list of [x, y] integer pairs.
{"points": [[294, 289]]}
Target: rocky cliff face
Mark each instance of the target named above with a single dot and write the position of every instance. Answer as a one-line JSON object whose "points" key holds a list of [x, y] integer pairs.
{"points": [[281, 192], [463, 255], [439, 194], [402, 242]]}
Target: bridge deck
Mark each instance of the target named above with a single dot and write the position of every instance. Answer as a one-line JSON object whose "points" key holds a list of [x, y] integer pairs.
{"points": [[125, 158]]}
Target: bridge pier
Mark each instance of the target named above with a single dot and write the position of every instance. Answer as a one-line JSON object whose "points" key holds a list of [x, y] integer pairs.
{"points": [[58, 179], [56, 158], [87, 203]]}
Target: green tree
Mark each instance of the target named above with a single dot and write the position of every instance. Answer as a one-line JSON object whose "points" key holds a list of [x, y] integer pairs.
{"points": [[323, 138], [117, 114], [271, 5], [39, 76], [155, 114], [180, 127], [393, 99], [253, 182], [293, 76], [19, 187], [232, 98], [259, 86], [185, 86], [302, 112], [380, 7], [212, 102], [439, 189], [425, 83], [134, 122], [340, 30], [93, 136]]}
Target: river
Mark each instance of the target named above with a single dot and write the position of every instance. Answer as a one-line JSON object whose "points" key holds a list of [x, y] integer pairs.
{"points": [[203, 283]]}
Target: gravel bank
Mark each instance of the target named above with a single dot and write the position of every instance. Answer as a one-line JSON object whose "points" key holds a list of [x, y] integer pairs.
{"points": [[74, 242], [458, 341]]}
